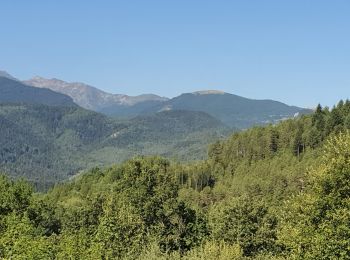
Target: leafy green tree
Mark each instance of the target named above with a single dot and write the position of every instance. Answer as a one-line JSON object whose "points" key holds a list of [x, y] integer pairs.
{"points": [[244, 222], [20, 240], [152, 190], [273, 145], [121, 231], [42, 214], [316, 223], [14, 196]]}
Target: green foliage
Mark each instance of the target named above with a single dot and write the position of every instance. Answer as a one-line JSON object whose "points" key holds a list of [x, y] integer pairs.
{"points": [[51, 144], [316, 225], [120, 231], [20, 240], [209, 250], [246, 222], [273, 192], [14, 196]]}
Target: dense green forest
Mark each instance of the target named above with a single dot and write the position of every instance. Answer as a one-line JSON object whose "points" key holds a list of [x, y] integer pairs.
{"points": [[275, 192], [48, 144]]}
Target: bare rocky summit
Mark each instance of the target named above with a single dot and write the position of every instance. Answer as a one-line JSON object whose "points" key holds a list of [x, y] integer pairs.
{"points": [[92, 98]]}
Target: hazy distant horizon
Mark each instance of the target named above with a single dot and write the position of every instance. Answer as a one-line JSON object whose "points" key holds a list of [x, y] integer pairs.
{"points": [[295, 52], [169, 97], [175, 95]]}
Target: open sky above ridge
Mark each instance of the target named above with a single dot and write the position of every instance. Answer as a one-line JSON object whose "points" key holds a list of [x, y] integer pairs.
{"points": [[297, 52]]}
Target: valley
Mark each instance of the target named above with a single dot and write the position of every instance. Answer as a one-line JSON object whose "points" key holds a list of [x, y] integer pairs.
{"points": [[175, 130], [47, 138]]}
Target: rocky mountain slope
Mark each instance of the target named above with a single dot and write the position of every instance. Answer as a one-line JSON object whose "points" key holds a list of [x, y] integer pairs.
{"points": [[13, 91], [97, 100]]}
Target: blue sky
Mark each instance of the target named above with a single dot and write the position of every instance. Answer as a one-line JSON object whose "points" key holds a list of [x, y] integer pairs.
{"points": [[294, 51]]}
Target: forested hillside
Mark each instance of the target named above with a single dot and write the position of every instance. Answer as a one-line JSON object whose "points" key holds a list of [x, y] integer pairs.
{"points": [[233, 110], [48, 144], [45, 144], [274, 192]]}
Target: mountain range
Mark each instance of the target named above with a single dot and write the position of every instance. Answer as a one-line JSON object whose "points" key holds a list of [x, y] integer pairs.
{"points": [[13, 91], [50, 132], [232, 110], [97, 100], [45, 135]]}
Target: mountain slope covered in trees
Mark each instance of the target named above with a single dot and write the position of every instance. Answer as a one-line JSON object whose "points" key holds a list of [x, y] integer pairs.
{"points": [[273, 192], [47, 144], [231, 109]]}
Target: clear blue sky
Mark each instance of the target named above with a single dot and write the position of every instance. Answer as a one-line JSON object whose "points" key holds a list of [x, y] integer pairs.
{"points": [[295, 51]]}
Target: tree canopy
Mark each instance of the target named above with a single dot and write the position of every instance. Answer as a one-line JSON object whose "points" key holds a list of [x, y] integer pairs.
{"points": [[274, 192]]}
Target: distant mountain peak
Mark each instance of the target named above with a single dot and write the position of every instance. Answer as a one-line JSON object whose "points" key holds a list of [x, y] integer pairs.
{"points": [[6, 75], [232, 110], [37, 78], [95, 99], [209, 92], [14, 91], [53, 81]]}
